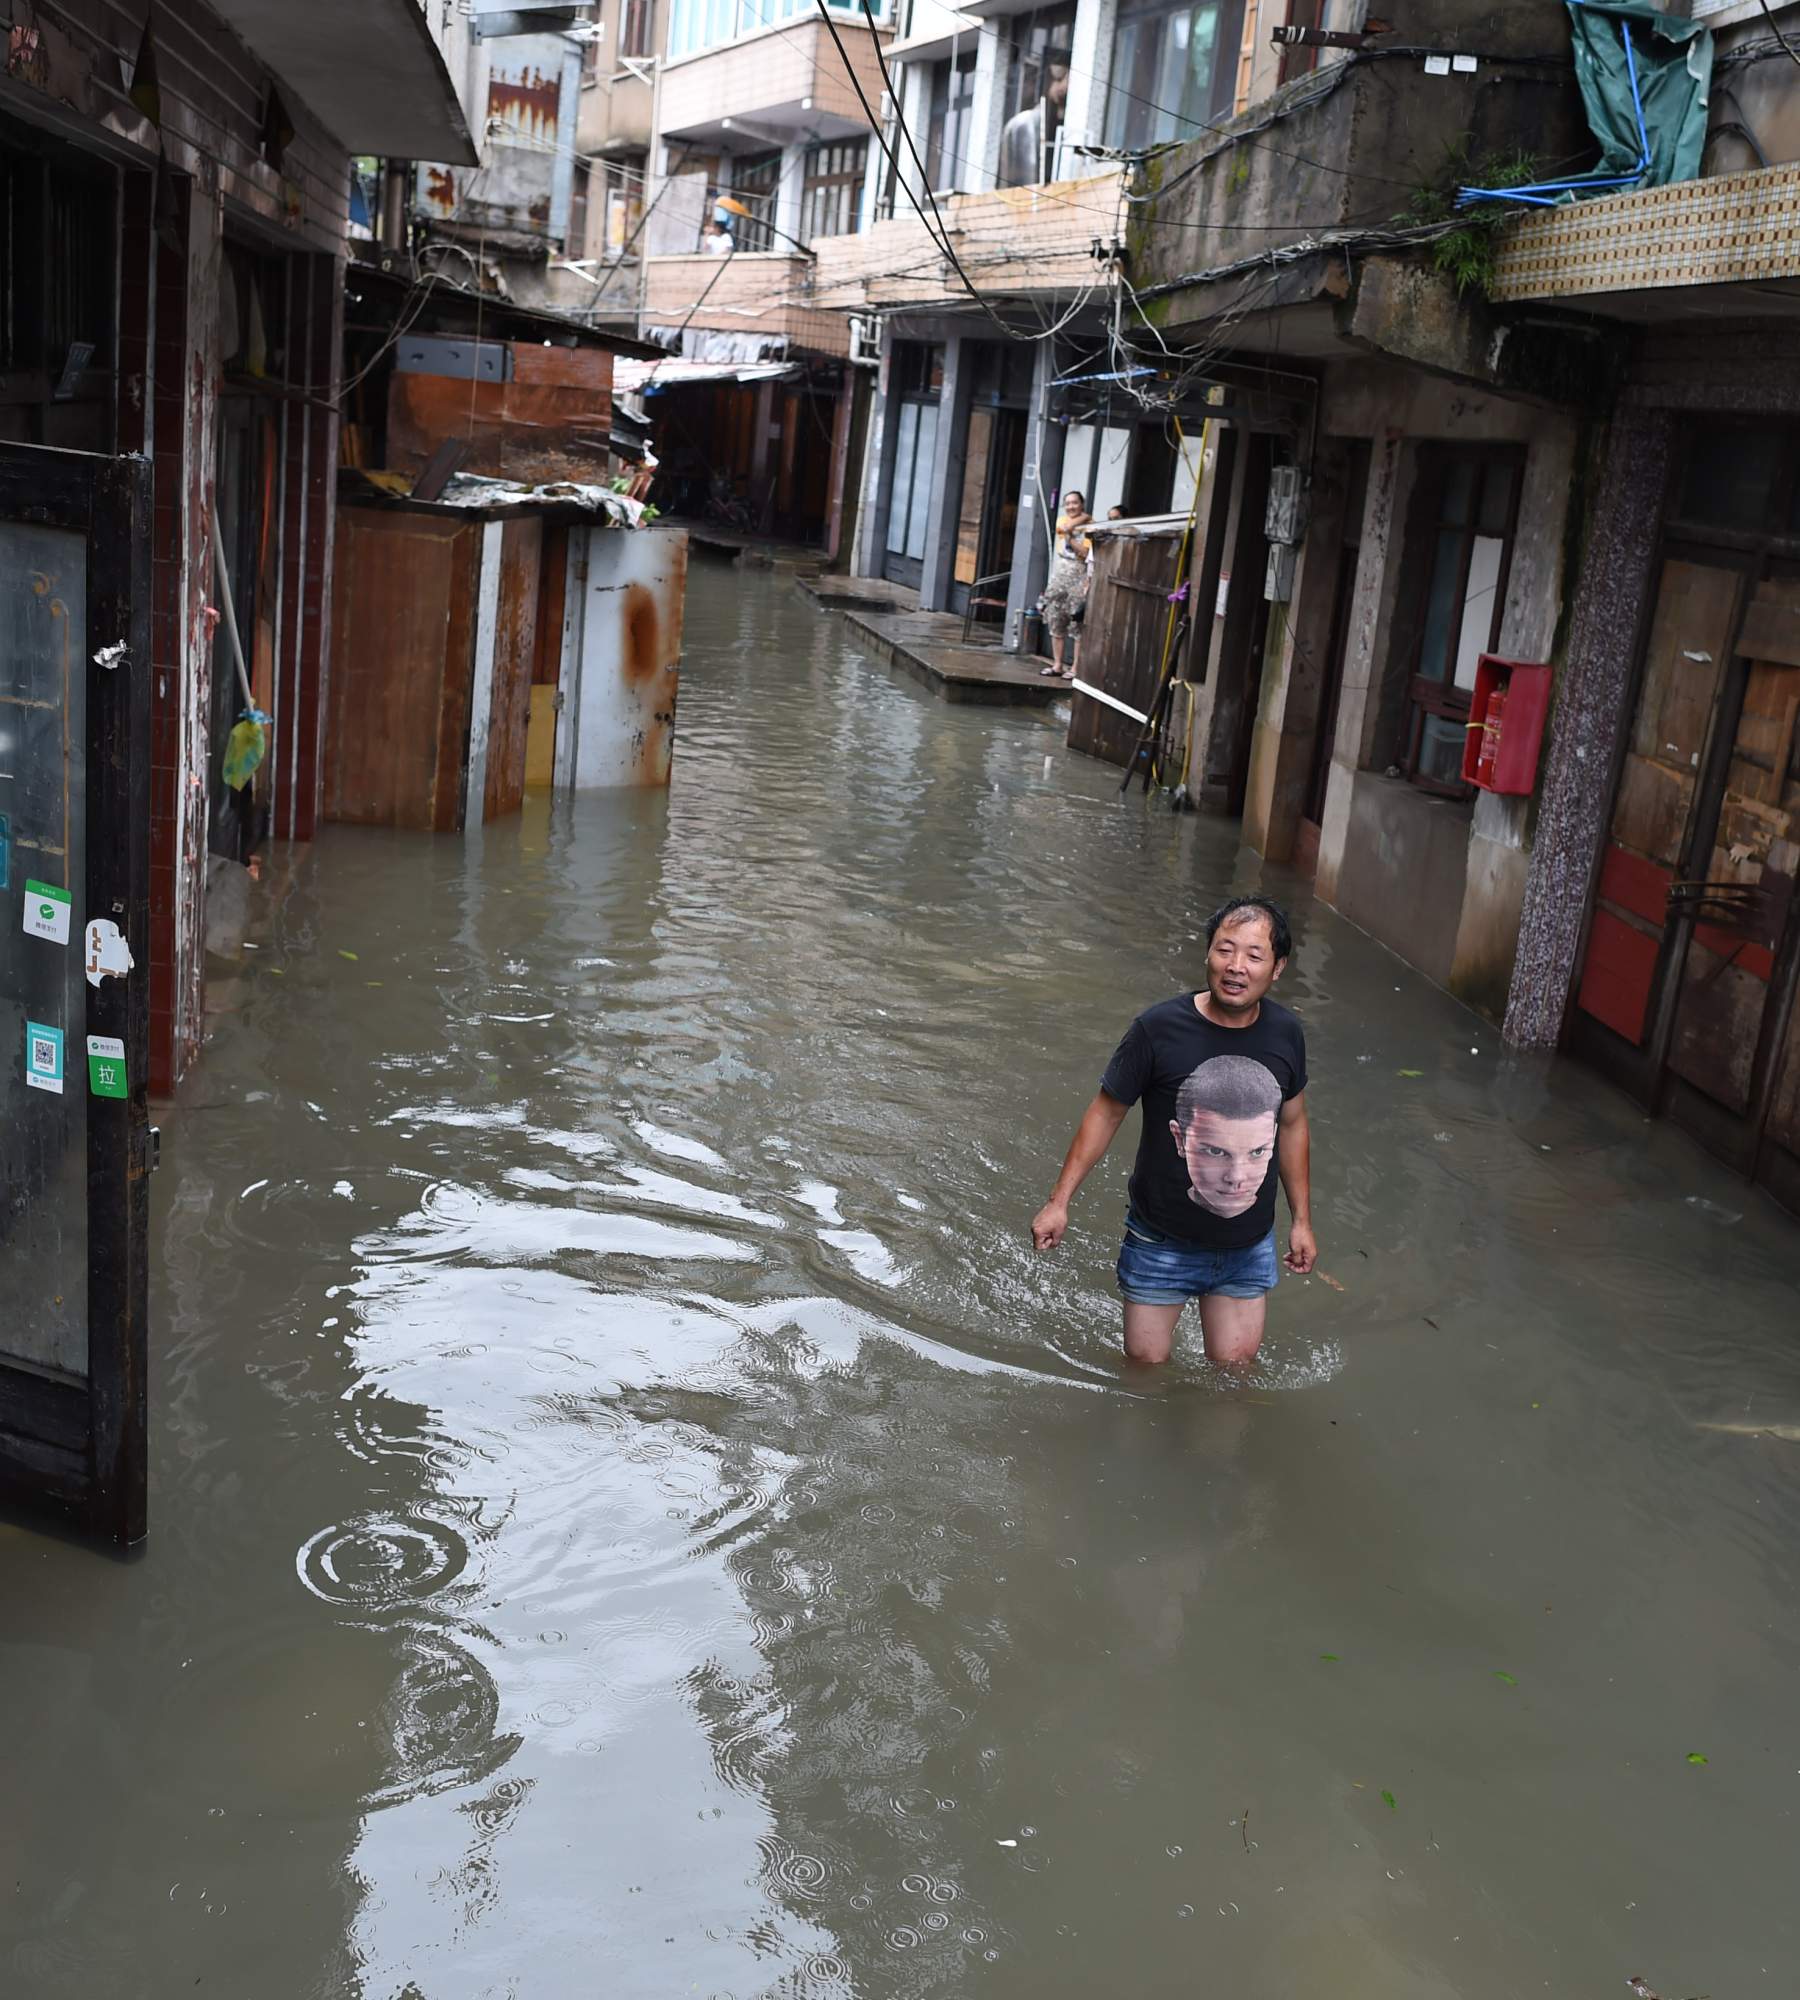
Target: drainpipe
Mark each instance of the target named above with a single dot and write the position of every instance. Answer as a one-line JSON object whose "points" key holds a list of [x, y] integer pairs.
{"points": [[393, 205]]}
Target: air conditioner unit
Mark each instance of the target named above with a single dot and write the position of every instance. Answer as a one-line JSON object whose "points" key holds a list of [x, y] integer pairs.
{"points": [[1278, 578], [865, 341]]}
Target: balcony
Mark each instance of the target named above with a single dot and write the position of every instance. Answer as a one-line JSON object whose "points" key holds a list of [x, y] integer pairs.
{"points": [[1662, 251], [373, 74], [771, 88], [760, 294], [1033, 241]]}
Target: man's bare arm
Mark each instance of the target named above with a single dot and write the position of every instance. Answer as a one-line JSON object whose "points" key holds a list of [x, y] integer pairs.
{"points": [[1099, 1123], [1296, 1182]]}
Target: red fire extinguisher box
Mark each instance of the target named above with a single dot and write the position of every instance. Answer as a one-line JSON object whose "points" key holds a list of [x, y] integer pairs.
{"points": [[1506, 724]]}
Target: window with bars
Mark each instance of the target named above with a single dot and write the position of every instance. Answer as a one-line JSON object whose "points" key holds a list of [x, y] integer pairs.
{"points": [[831, 193], [1471, 497]]}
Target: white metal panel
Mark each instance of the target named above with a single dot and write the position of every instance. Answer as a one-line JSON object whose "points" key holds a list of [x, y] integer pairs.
{"points": [[481, 686], [630, 656]]}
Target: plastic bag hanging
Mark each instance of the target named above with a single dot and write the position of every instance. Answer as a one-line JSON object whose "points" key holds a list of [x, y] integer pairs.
{"points": [[245, 748]]}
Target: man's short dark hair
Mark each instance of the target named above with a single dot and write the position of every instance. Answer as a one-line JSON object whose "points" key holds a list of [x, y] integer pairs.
{"points": [[1230, 1087], [1239, 906]]}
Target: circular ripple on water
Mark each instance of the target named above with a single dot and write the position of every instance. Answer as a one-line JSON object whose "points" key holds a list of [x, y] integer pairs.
{"points": [[284, 1215], [377, 1561], [802, 1875], [441, 1720]]}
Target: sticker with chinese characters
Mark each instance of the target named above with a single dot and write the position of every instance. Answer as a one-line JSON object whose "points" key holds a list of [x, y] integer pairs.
{"points": [[44, 1057], [47, 912], [106, 1066]]}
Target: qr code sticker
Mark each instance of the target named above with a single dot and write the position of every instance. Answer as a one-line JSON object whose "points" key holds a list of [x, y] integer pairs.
{"points": [[43, 1054]]}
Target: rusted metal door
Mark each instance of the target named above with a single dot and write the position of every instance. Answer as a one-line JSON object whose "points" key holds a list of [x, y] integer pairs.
{"points": [[74, 986]]}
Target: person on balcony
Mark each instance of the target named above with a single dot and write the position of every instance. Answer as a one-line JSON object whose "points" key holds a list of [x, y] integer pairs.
{"points": [[1028, 139]]}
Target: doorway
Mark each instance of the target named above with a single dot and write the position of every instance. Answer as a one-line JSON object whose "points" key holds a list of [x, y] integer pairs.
{"points": [[1318, 772], [1687, 987], [918, 369], [988, 519]]}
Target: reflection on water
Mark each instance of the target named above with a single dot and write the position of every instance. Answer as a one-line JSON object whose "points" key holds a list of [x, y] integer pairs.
{"points": [[632, 1515]]}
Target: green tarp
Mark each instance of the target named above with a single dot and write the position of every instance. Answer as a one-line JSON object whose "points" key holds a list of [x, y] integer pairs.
{"points": [[1674, 59]]}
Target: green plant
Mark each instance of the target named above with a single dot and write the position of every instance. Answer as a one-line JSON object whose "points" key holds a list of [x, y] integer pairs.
{"points": [[1465, 254]]}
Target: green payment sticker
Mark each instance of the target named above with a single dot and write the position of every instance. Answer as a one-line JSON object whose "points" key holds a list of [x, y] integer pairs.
{"points": [[47, 912], [106, 1066]]}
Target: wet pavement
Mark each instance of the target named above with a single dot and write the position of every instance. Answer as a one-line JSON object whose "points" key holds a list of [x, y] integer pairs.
{"points": [[632, 1516]]}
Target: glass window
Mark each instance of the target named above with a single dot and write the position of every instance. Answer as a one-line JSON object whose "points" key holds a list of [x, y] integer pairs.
{"points": [[947, 129], [900, 505], [1473, 495], [831, 193], [918, 513], [1037, 88], [1174, 69], [1730, 472]]}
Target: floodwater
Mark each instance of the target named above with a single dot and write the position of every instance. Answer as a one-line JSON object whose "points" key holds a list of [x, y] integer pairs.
{"points": [[631, 1516]]}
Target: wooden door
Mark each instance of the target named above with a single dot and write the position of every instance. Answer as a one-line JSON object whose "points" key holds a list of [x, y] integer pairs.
{"points": [[1732, 995]]}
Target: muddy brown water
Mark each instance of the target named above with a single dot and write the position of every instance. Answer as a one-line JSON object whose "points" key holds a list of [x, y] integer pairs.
{"points": [[632, 1516]]}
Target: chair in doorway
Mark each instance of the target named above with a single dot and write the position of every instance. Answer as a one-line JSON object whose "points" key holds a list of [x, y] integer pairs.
{"points": [[983, 597]]}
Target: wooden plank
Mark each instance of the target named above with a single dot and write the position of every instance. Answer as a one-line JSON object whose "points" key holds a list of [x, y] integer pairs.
{"points": [[396, 588], [1683, 659], [515, 644], [974, 495], [540, 742], [1650, 813], [1772, 625], [1716, 1027]]}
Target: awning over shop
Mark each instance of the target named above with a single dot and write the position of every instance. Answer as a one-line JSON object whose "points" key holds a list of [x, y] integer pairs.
{"points": [[638, 378], [368, 70]]}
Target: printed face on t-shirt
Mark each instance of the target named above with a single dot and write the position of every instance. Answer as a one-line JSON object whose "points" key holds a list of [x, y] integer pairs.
{"points": [[1227, 1158]]}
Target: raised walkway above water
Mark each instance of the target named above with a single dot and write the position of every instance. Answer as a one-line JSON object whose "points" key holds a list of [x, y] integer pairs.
{"points": [[929, 644]]}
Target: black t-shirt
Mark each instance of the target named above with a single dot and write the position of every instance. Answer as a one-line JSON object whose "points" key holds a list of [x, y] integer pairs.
{"points": [[1222, 1089]]}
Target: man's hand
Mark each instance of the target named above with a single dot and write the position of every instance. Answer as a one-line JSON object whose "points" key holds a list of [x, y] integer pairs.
{"points": [[1302, 1250], [1048, 1225]]}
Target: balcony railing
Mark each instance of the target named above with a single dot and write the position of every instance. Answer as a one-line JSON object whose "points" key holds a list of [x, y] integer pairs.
{"points": [[767, 294], [1035, 240]]}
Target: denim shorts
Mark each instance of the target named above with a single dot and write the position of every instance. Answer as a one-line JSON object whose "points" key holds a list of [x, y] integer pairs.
{"points": [[1159, 1270]]}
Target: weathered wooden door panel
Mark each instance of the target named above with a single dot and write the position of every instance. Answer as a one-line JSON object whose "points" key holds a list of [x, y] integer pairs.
{"points": [[74, 1001], [1690, 640], [1742, 867]]}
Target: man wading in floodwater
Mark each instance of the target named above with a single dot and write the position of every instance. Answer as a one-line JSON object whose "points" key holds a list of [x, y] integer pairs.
{"points": [[1222, 1076]]}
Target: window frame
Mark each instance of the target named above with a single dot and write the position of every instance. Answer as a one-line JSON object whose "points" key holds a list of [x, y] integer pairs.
{"points": [[757, 177], [816, 188], [1440, 697], [636, 30], [949, 117], [1123, 104]]}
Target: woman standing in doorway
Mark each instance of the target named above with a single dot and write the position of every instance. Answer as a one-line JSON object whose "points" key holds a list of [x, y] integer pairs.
{"points": [[1066, 592]]}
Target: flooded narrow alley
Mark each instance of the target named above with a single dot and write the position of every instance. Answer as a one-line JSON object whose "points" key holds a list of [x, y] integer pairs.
{"points": [[631, 1515]]}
